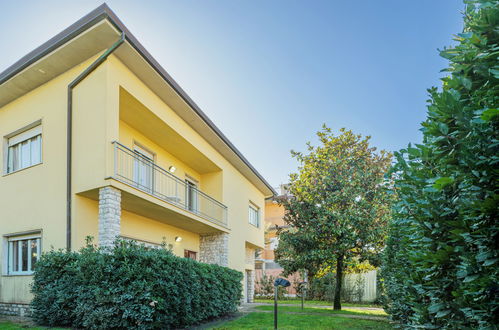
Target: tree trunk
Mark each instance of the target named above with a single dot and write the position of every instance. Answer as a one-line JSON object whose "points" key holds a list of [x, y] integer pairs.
{"points": [[339, 281]]}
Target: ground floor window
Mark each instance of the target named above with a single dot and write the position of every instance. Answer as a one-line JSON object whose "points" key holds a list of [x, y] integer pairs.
{"points": [[22, 253], [190, 254], [147, 244]]}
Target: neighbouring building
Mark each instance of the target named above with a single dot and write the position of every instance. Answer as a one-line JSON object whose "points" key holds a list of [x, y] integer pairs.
{"points": [[99, 140], [265, 260]]}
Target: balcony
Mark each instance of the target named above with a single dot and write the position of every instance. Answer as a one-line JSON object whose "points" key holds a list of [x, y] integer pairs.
{"points": [[142, 173]]}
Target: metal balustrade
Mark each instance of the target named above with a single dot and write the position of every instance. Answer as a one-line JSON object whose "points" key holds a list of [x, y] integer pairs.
{"points": [[138, 171]]}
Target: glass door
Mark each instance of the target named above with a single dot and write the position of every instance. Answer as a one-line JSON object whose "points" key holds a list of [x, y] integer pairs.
{"points": [[191, 195], [143, 168]]}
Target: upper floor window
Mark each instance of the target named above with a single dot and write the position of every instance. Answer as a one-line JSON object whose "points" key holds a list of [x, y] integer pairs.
{"points": [[143, 174], [191, 194], [254, 215], [24, 149], [274, 243], [22, 254]]}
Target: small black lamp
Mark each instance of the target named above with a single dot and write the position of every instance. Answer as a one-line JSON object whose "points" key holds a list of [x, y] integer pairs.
{"points": [[278, 282]]}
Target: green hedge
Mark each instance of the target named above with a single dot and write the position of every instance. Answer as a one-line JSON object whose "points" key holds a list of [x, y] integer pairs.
{"points": [[130, 287], [441, 261]]}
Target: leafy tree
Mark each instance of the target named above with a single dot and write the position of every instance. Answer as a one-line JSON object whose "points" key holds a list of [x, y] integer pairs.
{"points": [[441, 261], [338, 208]]}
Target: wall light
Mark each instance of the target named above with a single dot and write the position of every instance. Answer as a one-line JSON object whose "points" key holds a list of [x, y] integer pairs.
{"points": [[172, 169], [178, 239]]}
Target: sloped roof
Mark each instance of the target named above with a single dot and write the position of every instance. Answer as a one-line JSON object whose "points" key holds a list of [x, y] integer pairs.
{"points": [[95, 32]]}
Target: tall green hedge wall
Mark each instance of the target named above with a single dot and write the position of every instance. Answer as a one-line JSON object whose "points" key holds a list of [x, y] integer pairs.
{"points": [[441, 263], [130, 287]]}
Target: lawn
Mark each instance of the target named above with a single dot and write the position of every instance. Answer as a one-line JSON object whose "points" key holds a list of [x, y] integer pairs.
{"points": [[308, 309], [8, 325], [262, 319], [315, 302], [293, 321]]}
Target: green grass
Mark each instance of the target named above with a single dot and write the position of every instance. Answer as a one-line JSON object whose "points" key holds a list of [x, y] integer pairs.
{"points": [[8, 325], [346, 310], [314, 302], [292, 321]]}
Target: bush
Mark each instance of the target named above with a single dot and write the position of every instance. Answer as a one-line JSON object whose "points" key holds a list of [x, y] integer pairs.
{"points": [[130, 286], [265, 288], [441, 260]]}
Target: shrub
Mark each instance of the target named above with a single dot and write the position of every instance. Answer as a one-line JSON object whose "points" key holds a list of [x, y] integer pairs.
{"points": [[441, 261], [130, 286], [265, 288]]}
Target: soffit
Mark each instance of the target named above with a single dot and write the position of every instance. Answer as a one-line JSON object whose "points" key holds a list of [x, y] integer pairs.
{"points": [[94, 33]]}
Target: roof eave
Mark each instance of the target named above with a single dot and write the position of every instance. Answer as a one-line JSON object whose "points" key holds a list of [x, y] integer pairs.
{"points": [[95, 16]]}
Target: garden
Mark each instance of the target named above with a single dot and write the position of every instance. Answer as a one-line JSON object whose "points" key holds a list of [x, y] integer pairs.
{"points": [[425, 216]]}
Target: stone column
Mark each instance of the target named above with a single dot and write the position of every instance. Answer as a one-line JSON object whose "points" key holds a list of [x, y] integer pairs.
{"points": [[250, 277], [214, 249], [109, 215], [250, 274]]}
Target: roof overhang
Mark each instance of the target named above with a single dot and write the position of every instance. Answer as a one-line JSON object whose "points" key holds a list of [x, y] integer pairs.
{"points": [[94, 33]]}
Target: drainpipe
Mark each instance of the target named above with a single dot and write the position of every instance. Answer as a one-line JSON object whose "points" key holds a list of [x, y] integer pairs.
{"points": [[69, 142]]}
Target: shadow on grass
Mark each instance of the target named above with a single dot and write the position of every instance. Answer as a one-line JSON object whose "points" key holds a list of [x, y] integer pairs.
{"points": [[311, 309], [258, 320]]}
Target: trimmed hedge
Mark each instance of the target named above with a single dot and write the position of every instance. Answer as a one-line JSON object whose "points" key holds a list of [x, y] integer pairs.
{"points": [[441, 262], [130, 286]]}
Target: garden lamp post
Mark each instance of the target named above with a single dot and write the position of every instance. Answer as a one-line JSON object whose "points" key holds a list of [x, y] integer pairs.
{"points": [[303, 292], [278, 282]]}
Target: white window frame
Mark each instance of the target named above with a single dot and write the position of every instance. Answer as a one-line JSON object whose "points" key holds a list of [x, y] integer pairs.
{"points": [[191, 187], [253, 209], [10, 253], [143, 168], [274, 243], [16, 139], [147, 244]]}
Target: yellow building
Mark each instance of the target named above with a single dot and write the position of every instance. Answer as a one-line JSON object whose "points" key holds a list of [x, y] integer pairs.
{"points": [[98, 140], [265, 262]]}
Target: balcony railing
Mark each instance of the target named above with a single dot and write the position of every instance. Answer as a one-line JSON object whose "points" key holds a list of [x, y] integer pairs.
{"points": [[136, 170]]}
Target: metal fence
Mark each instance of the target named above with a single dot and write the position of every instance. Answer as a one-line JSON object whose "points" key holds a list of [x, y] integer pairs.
{"points": [[139, 171]]}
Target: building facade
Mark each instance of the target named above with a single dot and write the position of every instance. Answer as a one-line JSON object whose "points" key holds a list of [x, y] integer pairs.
{"points": [[265, 262], [98, 140]]}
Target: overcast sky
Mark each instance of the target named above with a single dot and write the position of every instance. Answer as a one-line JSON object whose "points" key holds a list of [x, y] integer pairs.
{"points": [[270, 73]]}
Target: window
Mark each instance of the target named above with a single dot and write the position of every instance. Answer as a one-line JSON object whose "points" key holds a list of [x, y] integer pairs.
{"points": [[143, 168], [191, 195], [23, 253], [190, 254], [24, 149], [147, 244], [254, 215], [274, 243]]}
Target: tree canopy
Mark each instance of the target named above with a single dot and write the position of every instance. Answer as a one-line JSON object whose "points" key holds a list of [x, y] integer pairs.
{"points": [[338, 206]]}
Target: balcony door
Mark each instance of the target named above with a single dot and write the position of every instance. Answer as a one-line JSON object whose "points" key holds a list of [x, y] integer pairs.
{"points": [[143, 168], [191, 195]]}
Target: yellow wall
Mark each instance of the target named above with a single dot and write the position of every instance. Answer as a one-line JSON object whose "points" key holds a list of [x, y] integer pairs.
{"points": [[136, 227], [130, 136], [34, 198], [274, 215], [237, 190]]}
